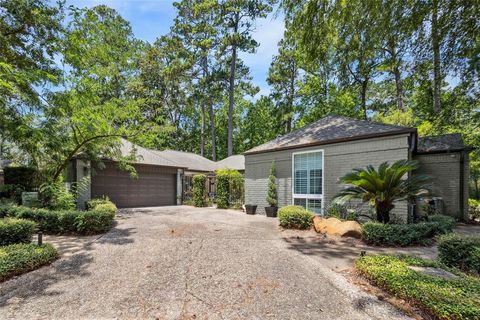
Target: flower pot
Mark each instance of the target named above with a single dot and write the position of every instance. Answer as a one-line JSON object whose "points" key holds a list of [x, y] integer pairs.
{"points": [[271, 211], [250, 208]]}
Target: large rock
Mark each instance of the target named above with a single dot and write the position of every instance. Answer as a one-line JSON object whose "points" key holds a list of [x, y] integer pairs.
{"points": [[336, 227]]}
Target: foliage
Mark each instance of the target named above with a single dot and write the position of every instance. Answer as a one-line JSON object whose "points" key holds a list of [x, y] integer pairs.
{"points": [[439, 297], [93, 203], [26, 177], [199, 191], [446, 223], [295, 217], [16, 259], [380, 234], [16, 231], [341, 211], [55, 196], [382, 187], [460, 251], [12, 191], [474, 208], [63, 222], [272, 197], [230, 188], [110, 208]]}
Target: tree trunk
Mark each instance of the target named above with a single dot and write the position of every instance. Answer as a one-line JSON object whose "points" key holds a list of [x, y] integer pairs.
{"points": [[232, 91], [437, 77], [383, 212], [399, 88], [363, 94], [202, 128], [212, 132]]}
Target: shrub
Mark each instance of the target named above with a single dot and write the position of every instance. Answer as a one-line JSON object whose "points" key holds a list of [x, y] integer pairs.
{"points": [[91, 204], [64, 222], [401, 234], [441, 298], [12, 192], [460, 251], [106, 207], [272, 187], [295, 217], [198, 182], [16, 259], [474, 208], [445, 223], [26, 177], [56, 197], [230, 188], [16, 231]]}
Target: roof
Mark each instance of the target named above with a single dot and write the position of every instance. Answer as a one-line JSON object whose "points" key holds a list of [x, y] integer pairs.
{"points": [[330, 129], [444, 143], [146, 156], [188, 160], [236, 162]]}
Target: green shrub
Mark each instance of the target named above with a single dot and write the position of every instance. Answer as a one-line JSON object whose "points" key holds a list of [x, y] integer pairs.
{"points": [[65, 222], [474, 208], [16, 259], [16, 231], [445, 223], [375, 233], [229, 188], [295, 217], [93, 203], [106, 207], [272, 197], [199, 192], [55, 196], [25, 177], [460, 251], [441, 298]]}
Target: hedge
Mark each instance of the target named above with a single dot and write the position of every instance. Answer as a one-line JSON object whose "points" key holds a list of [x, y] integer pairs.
{"points": [[16, 231], [16, 259], [295, 217], [375, 233], [63, 222], [460, 251], [229, 188], [26, 177], [441, 298], [198, 190]]}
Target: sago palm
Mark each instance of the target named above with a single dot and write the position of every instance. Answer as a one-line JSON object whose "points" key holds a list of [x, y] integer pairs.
{"points": [[383, 186]]}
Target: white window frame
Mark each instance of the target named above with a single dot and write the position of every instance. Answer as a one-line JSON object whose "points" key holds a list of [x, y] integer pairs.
{"points": [[309, 196]]}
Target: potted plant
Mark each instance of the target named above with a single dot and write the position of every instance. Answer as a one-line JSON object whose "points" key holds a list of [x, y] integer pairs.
{"points": [[250, 208], [272, 197]]}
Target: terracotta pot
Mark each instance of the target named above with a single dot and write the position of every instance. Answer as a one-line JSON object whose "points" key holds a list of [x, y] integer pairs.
{"points": [[271, 211]]}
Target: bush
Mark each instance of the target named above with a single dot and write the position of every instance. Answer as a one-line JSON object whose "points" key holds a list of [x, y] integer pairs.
{"points": [[26, 177], [106, 207], [272, 196], [441, 298], [93, 203], [64, 222], [375, 233], [16, 231], [16, 259], [473, 208], [460, 251], [230, 188], [56, 197], [198, 182], [445, 223], [295, 217]]}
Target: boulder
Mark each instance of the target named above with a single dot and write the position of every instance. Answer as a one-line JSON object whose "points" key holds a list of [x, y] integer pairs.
{"points": [[336, 227]]}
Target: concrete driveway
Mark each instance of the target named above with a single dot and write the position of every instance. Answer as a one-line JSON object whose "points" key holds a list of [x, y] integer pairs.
{"points": [[188, 263]]}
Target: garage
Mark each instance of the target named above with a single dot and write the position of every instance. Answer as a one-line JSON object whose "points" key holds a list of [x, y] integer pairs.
{"points": [[154, 186]]}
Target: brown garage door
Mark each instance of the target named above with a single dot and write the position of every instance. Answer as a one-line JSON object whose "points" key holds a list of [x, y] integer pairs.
{"points": [[155, 186]]}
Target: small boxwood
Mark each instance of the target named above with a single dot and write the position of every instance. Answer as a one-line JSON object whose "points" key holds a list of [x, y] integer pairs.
{"points": [[16, 231], [441, 298], [16, 259], [65, 222], [102, 203], [460, 251], [295, 217]]}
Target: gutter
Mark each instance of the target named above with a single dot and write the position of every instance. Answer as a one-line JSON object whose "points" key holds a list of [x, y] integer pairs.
{"points": [[331, 141]]}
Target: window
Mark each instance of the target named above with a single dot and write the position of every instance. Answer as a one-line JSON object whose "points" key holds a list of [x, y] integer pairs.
{"points": [[308, 180]]}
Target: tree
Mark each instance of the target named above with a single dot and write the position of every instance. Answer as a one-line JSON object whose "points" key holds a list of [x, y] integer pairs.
{"points": [[382, 187], [258, 124], [237, 18]]}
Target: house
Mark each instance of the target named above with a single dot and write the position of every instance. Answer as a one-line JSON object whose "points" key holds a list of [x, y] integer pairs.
{"points": [[310, 161], [163, 177]]}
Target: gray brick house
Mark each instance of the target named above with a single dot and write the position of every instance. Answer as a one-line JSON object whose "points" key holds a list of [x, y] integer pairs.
{"points": [[311, 159]]}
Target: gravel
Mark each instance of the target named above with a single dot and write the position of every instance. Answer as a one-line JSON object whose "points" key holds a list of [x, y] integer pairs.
{"points": [[187, 263]]}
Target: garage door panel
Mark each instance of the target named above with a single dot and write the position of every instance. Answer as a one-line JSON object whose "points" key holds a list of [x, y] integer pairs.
{"points": [[154, 186]]}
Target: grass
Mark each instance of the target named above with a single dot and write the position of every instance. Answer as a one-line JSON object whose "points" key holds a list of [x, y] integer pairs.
{"points": [[16, 259], [441, 298]]}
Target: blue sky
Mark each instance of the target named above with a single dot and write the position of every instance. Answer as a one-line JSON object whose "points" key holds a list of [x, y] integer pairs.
{"points": [[152, 18]]}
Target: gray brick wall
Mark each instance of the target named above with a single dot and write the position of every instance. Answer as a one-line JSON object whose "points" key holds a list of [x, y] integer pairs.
{"points": [[339, 159], [445, 171]]}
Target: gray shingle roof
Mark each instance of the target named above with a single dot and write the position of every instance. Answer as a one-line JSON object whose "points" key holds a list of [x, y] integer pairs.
{"points": [[146, 156], [188, 160], [236, 162], [330, 129], [443, 143]]}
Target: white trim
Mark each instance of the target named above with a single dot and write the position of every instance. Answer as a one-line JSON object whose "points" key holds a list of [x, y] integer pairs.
{"points": [[308, 196]]}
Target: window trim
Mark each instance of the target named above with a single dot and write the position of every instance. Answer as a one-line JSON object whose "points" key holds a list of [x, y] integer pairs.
{"points": [[308, 196]]}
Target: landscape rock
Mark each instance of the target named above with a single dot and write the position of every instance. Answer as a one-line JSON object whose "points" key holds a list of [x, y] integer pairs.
{"points": [[336, 227]]}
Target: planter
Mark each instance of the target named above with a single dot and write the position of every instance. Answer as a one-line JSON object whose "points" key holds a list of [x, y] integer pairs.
{"points": [[250, 208], [271, 211]]}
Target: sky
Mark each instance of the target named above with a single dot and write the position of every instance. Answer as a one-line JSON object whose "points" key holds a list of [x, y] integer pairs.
{"points": [[152, 18]]}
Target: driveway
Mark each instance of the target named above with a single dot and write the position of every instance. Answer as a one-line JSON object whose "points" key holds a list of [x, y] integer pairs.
{"points": [[188, 263]]}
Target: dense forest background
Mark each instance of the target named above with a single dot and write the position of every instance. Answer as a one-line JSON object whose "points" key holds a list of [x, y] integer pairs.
{"points": [[74, 80]]}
